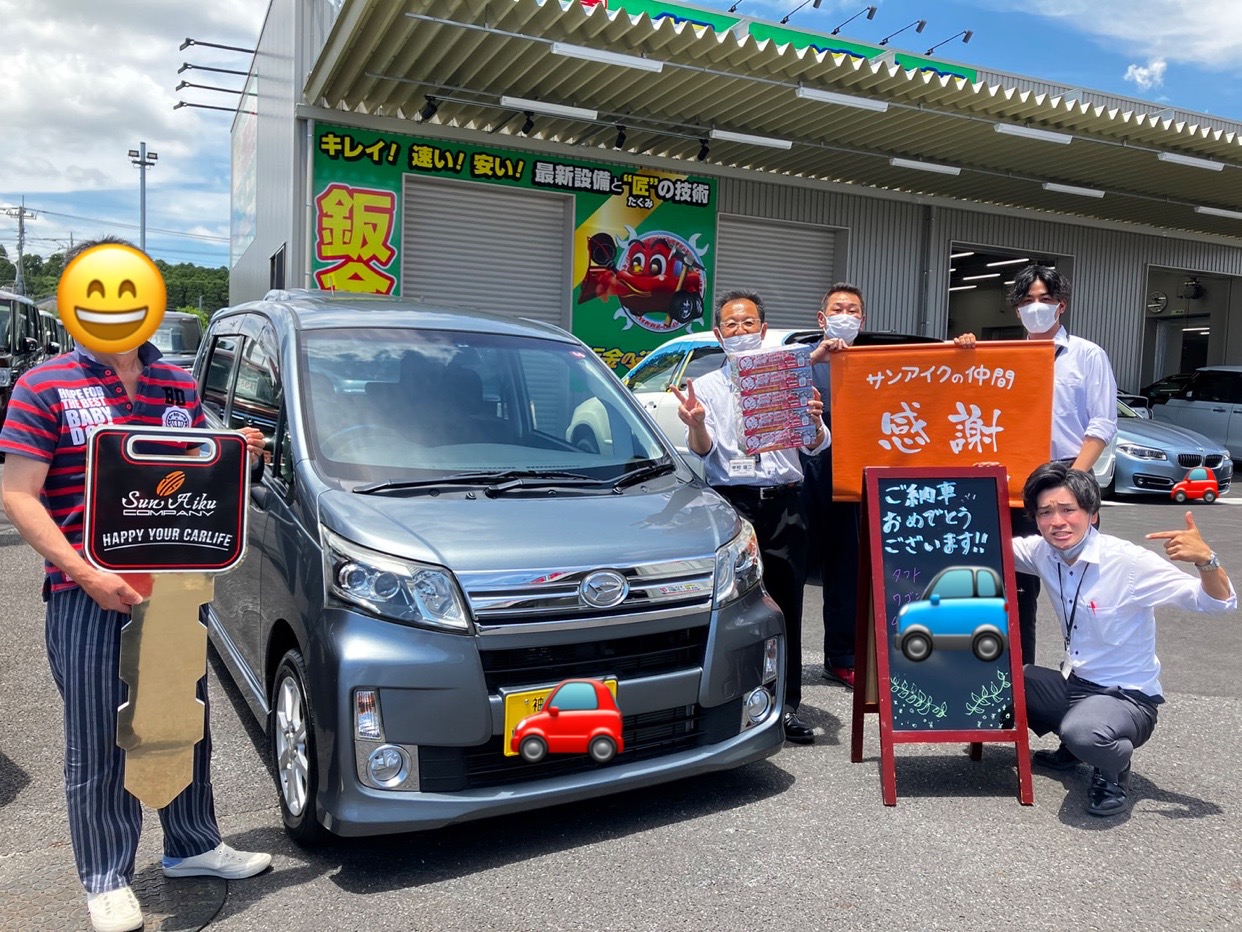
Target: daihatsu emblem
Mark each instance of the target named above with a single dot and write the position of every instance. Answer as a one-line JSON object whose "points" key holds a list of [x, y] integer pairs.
{"points": [[604, 589]]}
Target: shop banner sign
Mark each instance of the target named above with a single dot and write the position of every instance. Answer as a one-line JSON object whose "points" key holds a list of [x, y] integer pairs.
{"points": [[643, 244]]}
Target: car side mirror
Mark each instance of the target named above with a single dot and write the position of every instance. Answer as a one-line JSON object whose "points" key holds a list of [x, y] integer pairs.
{"points": [[935, 599], [30, 345], [552, 710], [53, 347]]}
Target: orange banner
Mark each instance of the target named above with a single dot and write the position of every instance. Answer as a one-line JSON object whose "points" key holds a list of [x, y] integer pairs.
{"points": [[924, 404]]}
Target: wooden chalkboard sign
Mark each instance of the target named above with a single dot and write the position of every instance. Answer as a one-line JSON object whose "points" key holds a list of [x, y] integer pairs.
{"points": [[943, 659], [153, 506]]}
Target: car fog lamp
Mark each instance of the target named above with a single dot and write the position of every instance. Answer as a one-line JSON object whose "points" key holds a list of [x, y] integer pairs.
{"points": [[771, 659], [388, 765], [758, 704], [366, 715]]}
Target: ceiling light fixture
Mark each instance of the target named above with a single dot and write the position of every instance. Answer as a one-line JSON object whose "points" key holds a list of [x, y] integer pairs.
{"points": [[963, 287], [557, 110], [925, 166], [1190, 160], [728, 136], [966, 35], [977, 278], [607, 58], [1220, 212], [869, 10], [815, 4], [844, 100], [1030, 132], [960, 255], [1072, 189], [918, 24], [997, 265]]}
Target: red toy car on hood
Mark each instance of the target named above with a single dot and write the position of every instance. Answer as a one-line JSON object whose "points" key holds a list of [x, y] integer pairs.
{"points": [[578, 717], [1199, 483]]}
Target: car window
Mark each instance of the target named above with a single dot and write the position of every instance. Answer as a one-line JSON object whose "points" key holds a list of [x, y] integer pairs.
{"points": [[653, 373], [574, 697], [703, 360], [955, 584], [221, 366], [6, 319], [988, 586], [256, 398], [1207, 385]]}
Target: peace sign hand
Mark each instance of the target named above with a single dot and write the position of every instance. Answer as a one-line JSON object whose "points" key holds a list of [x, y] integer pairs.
{"points": [[691, 411], [1187, 546]]}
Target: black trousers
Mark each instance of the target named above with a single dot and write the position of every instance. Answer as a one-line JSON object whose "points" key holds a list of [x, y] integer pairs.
{"points": [[777, 518], [1028, 587], [835, 530]]}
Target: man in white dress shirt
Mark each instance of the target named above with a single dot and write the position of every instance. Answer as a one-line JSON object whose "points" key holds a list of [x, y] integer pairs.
{"points": [[764, 488], [1103, 700]]}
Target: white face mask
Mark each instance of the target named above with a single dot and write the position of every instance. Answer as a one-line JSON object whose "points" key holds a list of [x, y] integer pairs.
{"points": [[1039, 317], [842, 327], [743, 342]]}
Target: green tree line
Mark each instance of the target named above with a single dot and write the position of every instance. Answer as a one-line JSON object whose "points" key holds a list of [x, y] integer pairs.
{"points": [[185, 282]]}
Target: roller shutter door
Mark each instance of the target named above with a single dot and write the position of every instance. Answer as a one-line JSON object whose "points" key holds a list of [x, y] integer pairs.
{"points": [[483, 246], [789, 264]]}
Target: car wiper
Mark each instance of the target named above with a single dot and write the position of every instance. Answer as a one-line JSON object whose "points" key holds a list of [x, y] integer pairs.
{"points": [[532, 479], [460, 478], [650, 471]]}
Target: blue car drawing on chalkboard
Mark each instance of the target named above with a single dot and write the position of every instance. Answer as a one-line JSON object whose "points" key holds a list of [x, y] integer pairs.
{"points": [[963, 608]]}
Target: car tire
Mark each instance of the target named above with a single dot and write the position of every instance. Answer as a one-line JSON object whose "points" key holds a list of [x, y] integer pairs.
{"points": [[686, 306], [1180, 497], [1209, 496], [603, 749], [916, 646], [291, 745], [533, 749], [987, 646]]}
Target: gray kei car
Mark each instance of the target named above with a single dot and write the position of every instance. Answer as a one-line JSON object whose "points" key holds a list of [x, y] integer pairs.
{"points": [[429, 555]]}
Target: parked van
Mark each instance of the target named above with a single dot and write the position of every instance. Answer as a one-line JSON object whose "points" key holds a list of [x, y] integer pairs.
{"points": [[1209, 403], [178, 337], [21, 343], [430, 556]]}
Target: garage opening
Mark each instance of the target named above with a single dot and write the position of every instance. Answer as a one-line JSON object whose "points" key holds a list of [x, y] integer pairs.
{"points": [[979, 280], [1190, 320]]}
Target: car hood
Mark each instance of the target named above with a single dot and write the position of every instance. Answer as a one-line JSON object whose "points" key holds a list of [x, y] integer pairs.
{"points": [[522, 531], [1164, 435]]}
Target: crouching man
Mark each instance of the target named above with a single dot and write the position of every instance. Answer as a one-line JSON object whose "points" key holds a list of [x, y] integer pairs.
{"points": [[1105, 590]]}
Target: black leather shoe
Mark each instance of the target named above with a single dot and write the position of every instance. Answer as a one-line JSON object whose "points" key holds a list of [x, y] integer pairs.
{"points": [[1060, 759], [1106, 798], [797, 730]]}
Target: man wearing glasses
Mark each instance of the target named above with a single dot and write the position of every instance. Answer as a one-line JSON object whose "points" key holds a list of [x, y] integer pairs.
{"points": [[1103, 701]]}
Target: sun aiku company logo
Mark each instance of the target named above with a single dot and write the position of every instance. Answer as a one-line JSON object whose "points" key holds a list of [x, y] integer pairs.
{"points": [[169, 500]]}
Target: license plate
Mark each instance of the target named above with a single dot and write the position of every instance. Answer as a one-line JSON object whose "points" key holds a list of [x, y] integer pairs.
{"points": [[518, 705]]}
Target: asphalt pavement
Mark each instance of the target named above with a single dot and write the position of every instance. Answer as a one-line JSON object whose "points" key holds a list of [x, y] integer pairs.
{"points": [[801, 841]]}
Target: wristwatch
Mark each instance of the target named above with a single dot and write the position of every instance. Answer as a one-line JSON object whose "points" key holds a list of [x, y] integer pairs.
{"points": [[1213, 563]]}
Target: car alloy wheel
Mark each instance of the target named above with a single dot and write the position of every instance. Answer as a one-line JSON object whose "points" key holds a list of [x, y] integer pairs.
{"points": [[1180, 497], [603, 749], [533, 749], [291, 730], [1209, 496]]}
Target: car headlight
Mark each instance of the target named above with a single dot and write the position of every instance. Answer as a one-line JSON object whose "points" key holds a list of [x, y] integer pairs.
{"points": [[1140, 452], [739, 568], [393, 588]]}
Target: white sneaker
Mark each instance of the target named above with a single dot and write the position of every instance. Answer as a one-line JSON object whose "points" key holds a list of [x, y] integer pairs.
{"points": [[221, 861], [115, 911]]}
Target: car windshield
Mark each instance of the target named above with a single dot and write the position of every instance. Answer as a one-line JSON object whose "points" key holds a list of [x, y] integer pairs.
{"points": [[6, 319], [177, 336], [404, 405]]}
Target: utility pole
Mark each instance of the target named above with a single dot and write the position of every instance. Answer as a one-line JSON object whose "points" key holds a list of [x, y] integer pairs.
{"points": [[142, 160], [21, 213]]}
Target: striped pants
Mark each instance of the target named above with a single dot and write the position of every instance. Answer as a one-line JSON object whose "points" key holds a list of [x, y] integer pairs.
{"points": [[83, 649]]}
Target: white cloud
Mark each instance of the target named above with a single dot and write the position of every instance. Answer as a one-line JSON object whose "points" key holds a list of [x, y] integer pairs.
{"points": [[1149, 75], [83, 82], [1207, 33]]}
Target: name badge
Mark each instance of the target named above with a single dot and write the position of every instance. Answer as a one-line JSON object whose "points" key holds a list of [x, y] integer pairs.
{"points": [[742, 468]]}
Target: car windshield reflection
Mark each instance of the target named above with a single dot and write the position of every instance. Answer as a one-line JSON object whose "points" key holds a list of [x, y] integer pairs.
{"points": [[404, 404]]}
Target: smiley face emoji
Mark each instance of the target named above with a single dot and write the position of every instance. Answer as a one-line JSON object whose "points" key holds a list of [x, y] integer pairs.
{"points": [[111, 298]]}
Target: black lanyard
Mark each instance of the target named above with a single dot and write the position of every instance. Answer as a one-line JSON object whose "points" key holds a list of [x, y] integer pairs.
{"points": [[1069, 622]]}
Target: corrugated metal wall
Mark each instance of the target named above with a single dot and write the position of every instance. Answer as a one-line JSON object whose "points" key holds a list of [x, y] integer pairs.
{"points": [[885, 257]]}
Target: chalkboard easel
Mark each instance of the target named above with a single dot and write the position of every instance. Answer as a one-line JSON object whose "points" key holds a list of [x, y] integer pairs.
{"points": [[937, 621]]}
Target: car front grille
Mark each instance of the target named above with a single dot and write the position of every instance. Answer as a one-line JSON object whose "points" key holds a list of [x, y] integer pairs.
{"points": [[1213, 461], [652, 734], [1189, 460], [624, 658]]}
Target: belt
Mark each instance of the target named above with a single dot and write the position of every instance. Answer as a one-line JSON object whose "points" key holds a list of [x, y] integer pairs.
{"points": [[761, 492]]}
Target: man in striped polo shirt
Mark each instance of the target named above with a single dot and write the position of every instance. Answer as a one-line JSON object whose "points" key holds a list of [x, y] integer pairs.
{"points": [[52, 409]]}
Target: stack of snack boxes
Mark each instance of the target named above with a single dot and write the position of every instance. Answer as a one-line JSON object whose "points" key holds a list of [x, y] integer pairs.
{"points": [[773, 386]]}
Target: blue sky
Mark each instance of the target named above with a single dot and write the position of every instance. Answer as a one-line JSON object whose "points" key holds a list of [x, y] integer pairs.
{"points": [[83, 82]]}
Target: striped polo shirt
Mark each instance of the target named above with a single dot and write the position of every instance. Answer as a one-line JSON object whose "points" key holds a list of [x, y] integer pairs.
{"points": [[55, 405]]}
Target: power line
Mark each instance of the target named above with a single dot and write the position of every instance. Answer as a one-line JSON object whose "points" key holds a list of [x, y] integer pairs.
{"points": [[134, 226]]}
